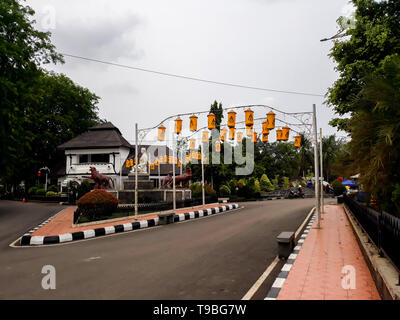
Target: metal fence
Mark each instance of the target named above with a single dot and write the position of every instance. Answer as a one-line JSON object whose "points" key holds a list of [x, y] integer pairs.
{"points": [[382, 228]]}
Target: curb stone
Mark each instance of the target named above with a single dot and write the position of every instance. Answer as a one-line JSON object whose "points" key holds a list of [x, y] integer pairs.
{"points": [[28, 240]]}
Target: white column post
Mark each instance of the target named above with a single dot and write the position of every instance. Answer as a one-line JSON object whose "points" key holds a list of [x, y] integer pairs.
{"points": [[316, 167]]}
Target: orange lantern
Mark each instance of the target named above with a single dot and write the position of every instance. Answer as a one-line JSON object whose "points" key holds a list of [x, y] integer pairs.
{"points": [[265, 137], [239, 137], [270, 120], [285, 133], [297, 141], [161, 133], [127, 163], [193, 123], [249, 117], [152, 167], [254, 137], [131, 162], [249, 131], [204, 137], [211, 121], [232, 133], [265, 127], [224, 132], [192, 144], [157, 163], [217, 146], [178, 125], [279, 135], [231, 119]]}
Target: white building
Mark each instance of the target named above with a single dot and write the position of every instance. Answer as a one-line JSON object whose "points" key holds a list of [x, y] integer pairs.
{"points": [[104, 148]]}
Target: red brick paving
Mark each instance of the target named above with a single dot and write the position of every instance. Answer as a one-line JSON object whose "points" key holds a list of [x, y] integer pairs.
{"points": [[62, 223], [317, 271]]}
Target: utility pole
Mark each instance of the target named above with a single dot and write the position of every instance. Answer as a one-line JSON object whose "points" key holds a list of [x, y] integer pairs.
{"points": [[173, 171], [316, 168], [136, 170], [202, 176], [322, 171]]}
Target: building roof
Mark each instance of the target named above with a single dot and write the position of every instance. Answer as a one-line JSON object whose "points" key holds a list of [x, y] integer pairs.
{"points": [[105, 135]]}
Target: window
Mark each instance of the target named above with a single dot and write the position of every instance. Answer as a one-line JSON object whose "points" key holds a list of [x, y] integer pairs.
{"points": [[100, 158], [83, 158]]}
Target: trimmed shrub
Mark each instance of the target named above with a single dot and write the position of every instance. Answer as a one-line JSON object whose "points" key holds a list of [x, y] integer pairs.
{"points": [[84, 188], [40, 192], [224, 191], [338, 188], [265, 183], [51, 194], [286, 183], [98, 203], [32, 191]]}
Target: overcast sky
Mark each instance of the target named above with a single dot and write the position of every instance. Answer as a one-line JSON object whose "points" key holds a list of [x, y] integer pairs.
{"points": [[263, 43]]}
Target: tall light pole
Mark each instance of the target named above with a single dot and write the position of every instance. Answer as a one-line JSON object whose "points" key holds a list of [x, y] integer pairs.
{"points": [[316, 167], [322, 171], [173, 171], [202, 176], [136, 170]]}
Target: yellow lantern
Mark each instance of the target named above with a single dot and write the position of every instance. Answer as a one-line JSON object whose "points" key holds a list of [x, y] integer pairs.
{"points": [[265, 137], [279, 135], [217, 146], [211, 121], [249, 117], [285, 133], [249, 131], [178, 125], [192, 144], [224, 133], [264, 126], [297, 141], [161, 133], [193, 123], [239, 137], [270, 120], [204, 137], [157, 163], [231, 119], [127, 163], [254, 137], [152, 166], [131, 163], [232, 133]]}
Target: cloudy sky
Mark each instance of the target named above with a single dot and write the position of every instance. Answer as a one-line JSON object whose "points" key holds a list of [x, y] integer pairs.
{"points": [[261, 43]]}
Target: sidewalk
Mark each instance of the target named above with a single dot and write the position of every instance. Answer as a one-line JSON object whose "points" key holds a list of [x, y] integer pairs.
{"points": [[62, 222], [316, 273]]}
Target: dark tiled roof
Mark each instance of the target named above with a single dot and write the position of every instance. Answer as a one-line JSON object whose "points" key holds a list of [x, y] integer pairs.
{"points": [[105, 135]]}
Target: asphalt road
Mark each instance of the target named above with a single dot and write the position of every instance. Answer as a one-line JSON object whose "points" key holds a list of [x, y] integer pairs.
{"points": [[217, 257]]}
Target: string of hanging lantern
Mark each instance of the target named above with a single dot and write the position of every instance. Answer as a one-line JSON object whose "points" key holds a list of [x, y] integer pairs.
{"points": [[229, 130]]}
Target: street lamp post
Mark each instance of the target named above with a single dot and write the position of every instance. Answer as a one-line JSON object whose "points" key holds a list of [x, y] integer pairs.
{"points": [[136, 170], [322, 171], [316, 168], [202, 176]]}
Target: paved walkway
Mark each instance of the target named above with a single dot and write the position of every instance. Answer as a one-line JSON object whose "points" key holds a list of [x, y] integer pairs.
{"points": [[63, 222], [317, 270]]}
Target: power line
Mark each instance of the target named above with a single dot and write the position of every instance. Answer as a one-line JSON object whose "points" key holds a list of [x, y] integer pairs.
{"points": [[190, 78]]}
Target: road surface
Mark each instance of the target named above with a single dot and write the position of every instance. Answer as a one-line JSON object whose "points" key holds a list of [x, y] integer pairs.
{"points": [[217, 257]]}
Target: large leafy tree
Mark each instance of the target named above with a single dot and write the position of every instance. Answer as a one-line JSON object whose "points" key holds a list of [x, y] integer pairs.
{"points": [[375, 35], [39, 110], [375, 132]]}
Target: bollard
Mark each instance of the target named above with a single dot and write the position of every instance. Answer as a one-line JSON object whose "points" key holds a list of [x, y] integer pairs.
{"points": [[285, 244]]}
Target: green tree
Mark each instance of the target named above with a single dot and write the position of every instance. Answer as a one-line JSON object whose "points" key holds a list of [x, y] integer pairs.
{"points": [[375, 132], [22, 50], [39, 109], [217, 109], [265, 183], [375, 35]]}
